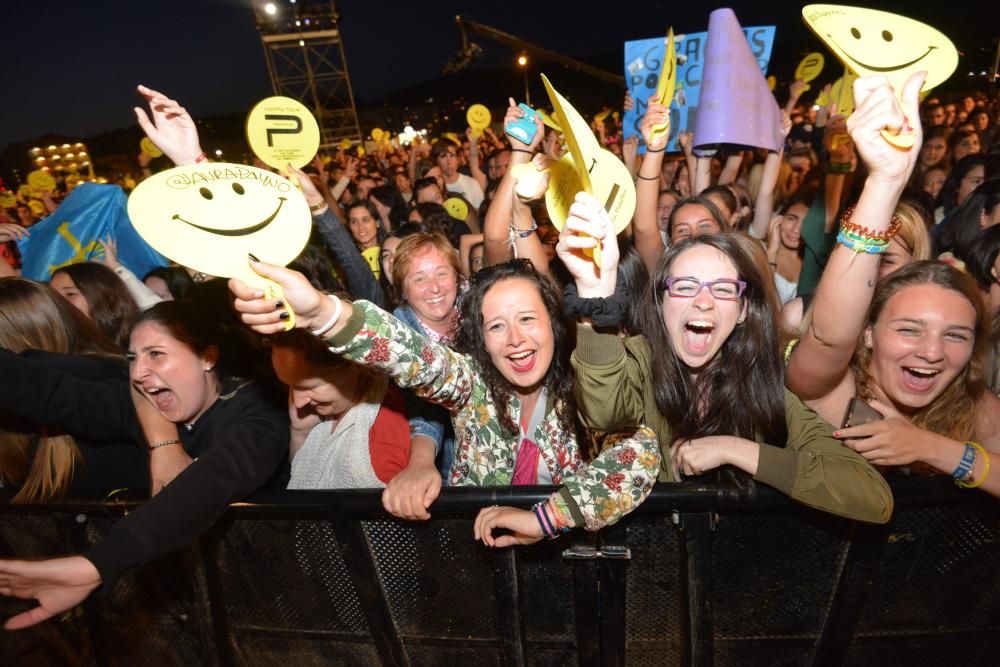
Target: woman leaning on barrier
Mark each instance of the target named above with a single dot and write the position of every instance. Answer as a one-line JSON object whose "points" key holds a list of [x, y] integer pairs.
{"points": [[214, 438], [707, 373], [508, 388], [912, 346]]}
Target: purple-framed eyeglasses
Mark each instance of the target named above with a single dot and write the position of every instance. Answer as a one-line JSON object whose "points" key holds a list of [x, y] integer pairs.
{"points": [[686, 287]]}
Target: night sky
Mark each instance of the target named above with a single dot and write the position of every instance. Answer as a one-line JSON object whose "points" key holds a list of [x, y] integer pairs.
{"points": [[71, 67]]}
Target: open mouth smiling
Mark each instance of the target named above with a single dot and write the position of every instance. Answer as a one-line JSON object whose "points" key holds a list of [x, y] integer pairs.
{"points": [[243, 231], [876, 68]]}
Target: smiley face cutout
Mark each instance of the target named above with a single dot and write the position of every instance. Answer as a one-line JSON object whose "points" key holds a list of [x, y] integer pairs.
{"points": [[478, 117], [209, 217], [869, 41]]}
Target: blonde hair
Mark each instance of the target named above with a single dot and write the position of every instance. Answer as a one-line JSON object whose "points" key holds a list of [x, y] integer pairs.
{"points": [[34, 316], [913, 234]]}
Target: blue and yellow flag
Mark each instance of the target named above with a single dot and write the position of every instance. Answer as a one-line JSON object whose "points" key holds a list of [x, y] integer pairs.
{"points": [[73, 233]]}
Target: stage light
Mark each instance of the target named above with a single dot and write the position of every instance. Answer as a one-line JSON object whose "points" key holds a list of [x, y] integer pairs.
{"points": [[270, 8]]}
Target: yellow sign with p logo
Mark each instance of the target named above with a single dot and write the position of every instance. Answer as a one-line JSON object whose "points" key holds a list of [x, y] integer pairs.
{"points": [[280, 131]]}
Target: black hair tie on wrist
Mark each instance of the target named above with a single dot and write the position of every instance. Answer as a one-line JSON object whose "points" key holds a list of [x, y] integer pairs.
{"points": [[656, 150], [604, 312]]}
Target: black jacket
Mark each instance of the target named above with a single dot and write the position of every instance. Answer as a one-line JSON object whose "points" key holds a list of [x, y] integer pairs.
{"points": [[240, 443]]}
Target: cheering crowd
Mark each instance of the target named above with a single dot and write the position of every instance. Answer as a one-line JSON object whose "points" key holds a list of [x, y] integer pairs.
{"points": [[756, 308]]}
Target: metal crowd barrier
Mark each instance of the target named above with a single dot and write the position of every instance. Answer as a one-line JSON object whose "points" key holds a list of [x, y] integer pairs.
{"points": [[725, 573]]}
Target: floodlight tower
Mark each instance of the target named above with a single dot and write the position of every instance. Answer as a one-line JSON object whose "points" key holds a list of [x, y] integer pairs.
{"points": [[305, 60]]}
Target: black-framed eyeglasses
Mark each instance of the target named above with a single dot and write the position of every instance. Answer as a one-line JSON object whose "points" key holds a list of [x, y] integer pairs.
{"points": [[522, 265], [687, 287]]}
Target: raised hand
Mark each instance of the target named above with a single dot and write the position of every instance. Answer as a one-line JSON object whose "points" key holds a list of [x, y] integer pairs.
{"points": [[656, 114], [312, 308], [587, 226], [171, 127], [876, 108], [514, 112]]}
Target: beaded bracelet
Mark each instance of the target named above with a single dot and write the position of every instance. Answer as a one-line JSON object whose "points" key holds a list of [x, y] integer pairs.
{"points": [[887, 235], [523, 233], [968, 481]]}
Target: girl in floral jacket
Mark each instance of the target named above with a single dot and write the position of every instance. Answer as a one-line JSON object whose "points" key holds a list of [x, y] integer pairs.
{"points": [[509, 389]]}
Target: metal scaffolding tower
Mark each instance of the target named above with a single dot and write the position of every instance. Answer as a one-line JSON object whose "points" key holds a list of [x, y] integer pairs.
{"points": [[305, 60]]}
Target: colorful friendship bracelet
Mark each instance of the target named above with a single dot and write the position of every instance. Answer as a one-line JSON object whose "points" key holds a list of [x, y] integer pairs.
{"points": [[860, 246], [886, 236]]}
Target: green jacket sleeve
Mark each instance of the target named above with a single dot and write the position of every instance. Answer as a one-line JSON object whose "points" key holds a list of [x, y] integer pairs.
{"points": [[609, 381], [816, 470]]}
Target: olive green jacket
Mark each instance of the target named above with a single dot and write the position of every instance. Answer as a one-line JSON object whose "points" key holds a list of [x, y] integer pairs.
{"points": [[614, 391]]}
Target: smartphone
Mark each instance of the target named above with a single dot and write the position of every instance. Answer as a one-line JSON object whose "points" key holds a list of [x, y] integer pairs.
{"points": [[523, 129], [859, 412]]}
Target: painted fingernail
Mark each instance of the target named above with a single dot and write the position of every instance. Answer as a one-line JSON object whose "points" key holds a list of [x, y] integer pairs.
{"points": [[836, 434], [279, 305], [252, 257], [284, 315]]}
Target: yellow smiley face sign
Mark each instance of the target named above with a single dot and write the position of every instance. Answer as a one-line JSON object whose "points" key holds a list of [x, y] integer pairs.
{"points": [[456, 208], [7, 200], [41, 181], [478, 117], [209, 217], [37, 207], [586, 167], [147, 146], [870, 42], [281, 130]]}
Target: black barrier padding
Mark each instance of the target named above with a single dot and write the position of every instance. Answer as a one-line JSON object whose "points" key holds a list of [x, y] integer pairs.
{"points": [[654, 591], [302, 652], [62, 642], [154, 611], [327, 579], [437, 579], [765, 585], [287, 575]]}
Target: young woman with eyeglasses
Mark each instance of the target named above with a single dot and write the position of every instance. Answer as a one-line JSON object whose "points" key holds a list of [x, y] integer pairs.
{"points": [[508, 386], [706, 375]]}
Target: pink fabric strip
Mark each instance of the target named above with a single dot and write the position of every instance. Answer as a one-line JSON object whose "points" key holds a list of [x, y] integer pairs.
{"points": [[526, 463]]}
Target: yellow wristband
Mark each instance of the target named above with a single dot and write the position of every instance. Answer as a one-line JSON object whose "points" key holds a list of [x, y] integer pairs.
{"points": [[976, 483]]}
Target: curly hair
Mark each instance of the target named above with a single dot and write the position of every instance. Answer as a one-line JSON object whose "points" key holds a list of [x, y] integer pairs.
{"points": [[952, 414], [558, 380]]}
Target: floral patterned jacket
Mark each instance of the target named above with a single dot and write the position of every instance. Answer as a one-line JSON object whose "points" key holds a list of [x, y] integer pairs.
{"points": [[598, 493]]}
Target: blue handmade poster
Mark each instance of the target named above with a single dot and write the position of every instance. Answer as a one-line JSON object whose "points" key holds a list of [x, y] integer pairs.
{"points": [[644, 59]]}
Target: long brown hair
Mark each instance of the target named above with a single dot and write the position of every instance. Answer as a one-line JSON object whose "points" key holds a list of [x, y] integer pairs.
{"points": [[112, 307], [34, 316], [952, 414], [741, 390]]}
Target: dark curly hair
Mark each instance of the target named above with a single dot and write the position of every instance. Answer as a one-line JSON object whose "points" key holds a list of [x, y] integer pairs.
{"points": [[559, 378]]}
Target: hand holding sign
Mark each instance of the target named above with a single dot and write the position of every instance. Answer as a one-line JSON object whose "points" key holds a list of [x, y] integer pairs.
{"points": [[280, 131], [587, 167], [171, 129], [809, 68], [665, 86], [873, 42], [878, 110], [210, 217]]}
